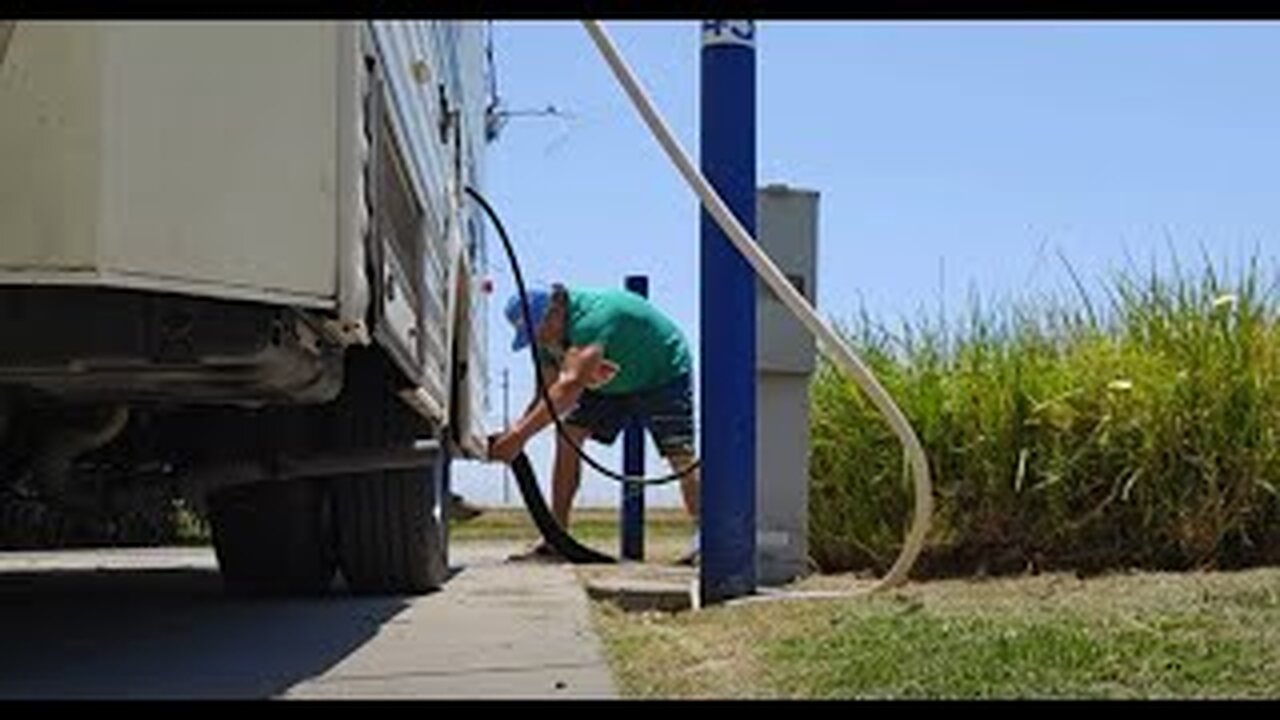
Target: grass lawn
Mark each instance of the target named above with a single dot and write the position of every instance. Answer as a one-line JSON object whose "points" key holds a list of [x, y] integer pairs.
{"points": [[1148, 635], [595, 524], [667, 530]]}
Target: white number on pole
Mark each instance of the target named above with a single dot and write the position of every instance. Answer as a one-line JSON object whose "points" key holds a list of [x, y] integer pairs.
{"points": [[728, 32]]}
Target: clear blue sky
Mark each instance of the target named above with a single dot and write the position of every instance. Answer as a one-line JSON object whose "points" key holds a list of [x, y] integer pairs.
{"points": [[950, 157]]}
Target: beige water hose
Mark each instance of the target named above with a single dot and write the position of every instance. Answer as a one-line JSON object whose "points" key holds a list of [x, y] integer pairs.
{"points": [[831, 344]]}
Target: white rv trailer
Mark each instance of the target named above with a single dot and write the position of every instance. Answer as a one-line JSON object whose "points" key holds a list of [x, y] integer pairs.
{"points": [[239, 256]]}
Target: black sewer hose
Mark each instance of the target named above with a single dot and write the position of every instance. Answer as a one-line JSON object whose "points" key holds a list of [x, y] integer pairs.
{"points": [[555, 536]]}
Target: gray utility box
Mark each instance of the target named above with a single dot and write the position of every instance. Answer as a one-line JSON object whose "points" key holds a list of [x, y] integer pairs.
{"points": [[785, 355]]}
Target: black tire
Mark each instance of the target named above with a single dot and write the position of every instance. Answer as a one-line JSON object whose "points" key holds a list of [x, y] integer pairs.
{"points": [[392, 527], [392, 536], [273, 538]]}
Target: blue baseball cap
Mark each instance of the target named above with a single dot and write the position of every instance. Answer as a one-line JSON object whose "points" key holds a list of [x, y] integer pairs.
{"points": [[539, 302]]}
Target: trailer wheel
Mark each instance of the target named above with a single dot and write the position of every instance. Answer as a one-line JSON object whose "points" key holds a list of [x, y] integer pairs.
{"points": [[392, 535], [273, 538], [392, 528]]}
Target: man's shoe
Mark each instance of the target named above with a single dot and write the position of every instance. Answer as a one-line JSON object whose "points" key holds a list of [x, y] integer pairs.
{"points": [[693, 554], [540, 552], [461, 510]]}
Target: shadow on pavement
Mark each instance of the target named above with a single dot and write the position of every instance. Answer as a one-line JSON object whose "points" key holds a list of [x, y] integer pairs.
{"points": [[168, 633]]}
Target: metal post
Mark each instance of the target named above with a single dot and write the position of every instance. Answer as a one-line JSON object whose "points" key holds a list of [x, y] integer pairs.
{"points": [[728, 316], [632, 520]]}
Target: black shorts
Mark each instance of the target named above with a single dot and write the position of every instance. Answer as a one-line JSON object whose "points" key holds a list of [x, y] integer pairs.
{"points": [[667, 411]]}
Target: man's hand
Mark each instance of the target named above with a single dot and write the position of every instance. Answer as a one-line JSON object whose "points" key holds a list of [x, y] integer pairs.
{"points": [[580, 366], [505, 447], [600, 373]]}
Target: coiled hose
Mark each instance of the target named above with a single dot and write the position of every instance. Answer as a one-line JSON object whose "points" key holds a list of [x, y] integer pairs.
{"points": [[831, 344]]}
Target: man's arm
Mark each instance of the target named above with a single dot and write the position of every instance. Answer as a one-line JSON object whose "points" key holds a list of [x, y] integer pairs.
{"points": [[547, 375], [581, 366]]}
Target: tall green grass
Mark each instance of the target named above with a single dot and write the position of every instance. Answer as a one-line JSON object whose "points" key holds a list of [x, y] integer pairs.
{"points": [[1135, 429]]}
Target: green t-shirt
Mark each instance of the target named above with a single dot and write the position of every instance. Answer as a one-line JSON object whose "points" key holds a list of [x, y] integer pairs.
{"points": [[648, 348]]}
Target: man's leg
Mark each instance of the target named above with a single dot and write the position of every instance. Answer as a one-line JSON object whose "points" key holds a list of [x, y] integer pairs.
{"points": [[595, 416], [670, 420], [567, 473], [679, 461]]}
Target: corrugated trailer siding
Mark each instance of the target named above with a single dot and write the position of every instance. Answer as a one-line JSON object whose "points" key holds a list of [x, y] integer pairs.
{"points": [[416, 110], [476, 83], [454, 56]]}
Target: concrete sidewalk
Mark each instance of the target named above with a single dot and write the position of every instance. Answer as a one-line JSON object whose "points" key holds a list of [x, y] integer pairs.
{"points": [[497, 630]]}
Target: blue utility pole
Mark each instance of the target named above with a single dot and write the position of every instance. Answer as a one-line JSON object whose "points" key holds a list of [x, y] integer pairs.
{"points": [[633, 464], [728, 316]]}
